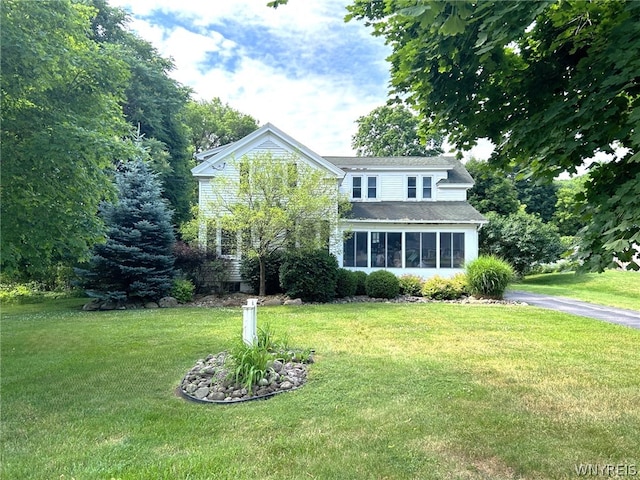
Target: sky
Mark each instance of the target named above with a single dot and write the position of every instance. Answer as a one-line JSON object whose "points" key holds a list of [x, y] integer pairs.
{"points": [[299, 67]]}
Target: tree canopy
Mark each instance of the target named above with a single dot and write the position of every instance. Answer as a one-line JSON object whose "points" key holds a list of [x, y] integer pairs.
{"points": [[550, 83], [61, 128], [280, 202], [393, 131], [213, 123]]}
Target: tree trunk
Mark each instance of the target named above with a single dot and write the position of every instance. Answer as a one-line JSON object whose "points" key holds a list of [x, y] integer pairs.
{"points": [[263, 277]]}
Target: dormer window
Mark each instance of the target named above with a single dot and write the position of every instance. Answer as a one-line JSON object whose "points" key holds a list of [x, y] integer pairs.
{"points": [[419, 187], [426, 187], [364, 186], [372, 187], [412, 187]]}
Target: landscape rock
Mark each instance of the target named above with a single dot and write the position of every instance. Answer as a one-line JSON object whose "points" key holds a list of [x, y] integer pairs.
{"points": [[167, 302], [92, 306], [151, 305], [208, 381], [272, 302], [294, 301]]}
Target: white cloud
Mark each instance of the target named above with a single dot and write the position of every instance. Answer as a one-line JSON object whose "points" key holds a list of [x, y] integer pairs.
{"points": [[316, 108]]}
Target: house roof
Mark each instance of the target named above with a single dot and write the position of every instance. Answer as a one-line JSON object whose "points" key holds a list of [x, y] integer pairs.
{"points": [[457, 174], [267, 132], [415, 212]]}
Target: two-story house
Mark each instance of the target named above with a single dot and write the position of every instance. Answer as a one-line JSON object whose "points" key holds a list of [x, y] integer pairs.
{"points": [[409, 214]]}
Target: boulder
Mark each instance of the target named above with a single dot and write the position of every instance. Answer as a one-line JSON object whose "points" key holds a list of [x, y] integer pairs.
{"points": [[167, 302], [293, 301], [151, 305]]}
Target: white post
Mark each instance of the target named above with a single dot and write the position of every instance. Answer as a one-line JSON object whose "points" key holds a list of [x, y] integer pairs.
{"points": [[250, 322]]}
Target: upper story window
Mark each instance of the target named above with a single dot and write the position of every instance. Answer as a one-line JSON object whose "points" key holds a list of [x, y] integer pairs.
{"points": [[363, 186], [427, 189], [412, 187], [356, 191], [372, 187], [419, 187]]}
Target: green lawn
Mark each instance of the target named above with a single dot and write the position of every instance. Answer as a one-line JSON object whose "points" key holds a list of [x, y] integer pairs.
{"points": [[615, 288], [428, 391]]}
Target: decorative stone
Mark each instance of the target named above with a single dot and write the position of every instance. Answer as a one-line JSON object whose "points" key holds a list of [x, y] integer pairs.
{"points": [[216, 396], [167, 302], [286, 385], [272, 302], [263, 382], [295, 301], [151, 305], [92, 306], [201, 393], [277, 366]]}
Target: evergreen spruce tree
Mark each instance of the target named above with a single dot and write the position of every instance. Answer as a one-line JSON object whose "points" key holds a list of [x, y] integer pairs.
{"points": [[136, 261]]}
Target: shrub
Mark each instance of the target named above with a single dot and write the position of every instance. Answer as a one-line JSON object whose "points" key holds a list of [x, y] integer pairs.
{"points": [[202, 266], [438, 288], [250, 272], [488, 276], [346, 283], [522, 239], [310, 275], [183, 290], [382, 284], [410, 285], [460, 285], [361, 278], [31, 292]]}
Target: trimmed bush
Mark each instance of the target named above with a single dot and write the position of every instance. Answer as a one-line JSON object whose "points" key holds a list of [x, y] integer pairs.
{"points": [[460, 285], [346, 283], [438, 288], [361, 277], [183, 290], [488, 276], [310, 275], [382, 284], [410, 285], [250, 272]]}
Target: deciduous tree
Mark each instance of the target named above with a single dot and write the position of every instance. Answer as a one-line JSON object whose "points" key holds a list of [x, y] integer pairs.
{"points": [[275, 203], [392, 131], [61, 127], [550, 83], [212, 123]]}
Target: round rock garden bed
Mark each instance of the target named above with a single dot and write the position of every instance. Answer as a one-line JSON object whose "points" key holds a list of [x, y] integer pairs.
{"points": [[209, 381]]}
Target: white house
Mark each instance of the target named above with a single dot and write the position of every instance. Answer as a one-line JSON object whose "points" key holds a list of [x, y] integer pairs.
{"points": [[409, 214]]}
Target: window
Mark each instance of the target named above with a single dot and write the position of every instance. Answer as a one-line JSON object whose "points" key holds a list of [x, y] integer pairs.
{"points": [[355, 250], [451, 250], [228, 242], [244, 176], [356, 191], [426, 187], [372, 184], [412, 189], [386, 249], [420, 250]]}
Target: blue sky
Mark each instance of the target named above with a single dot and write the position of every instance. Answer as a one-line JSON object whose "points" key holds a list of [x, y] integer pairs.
{"points": [[300, 67]]}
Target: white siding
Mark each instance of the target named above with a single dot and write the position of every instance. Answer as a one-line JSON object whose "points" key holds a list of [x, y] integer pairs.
{"points": [[451, 194], [391, 187]]}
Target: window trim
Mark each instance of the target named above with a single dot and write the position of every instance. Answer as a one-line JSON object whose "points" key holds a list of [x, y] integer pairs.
{"points": [[364, 188]]}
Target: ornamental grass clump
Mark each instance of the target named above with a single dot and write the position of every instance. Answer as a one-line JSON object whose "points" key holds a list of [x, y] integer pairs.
{"points": [[488, 276]]}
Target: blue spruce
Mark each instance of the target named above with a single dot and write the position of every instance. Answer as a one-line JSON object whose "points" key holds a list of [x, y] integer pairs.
{"points": [[136, 261]]}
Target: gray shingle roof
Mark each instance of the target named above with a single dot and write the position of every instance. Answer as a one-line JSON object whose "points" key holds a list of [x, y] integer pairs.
{"points": [[428, 212], [457, 173]]}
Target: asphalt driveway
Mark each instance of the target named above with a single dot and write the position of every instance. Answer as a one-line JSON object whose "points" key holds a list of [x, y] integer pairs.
{"points": [[630, 318]]}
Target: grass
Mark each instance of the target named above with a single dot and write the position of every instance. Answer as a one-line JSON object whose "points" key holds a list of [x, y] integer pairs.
{"points": [[429, 391], [615, 288]]}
